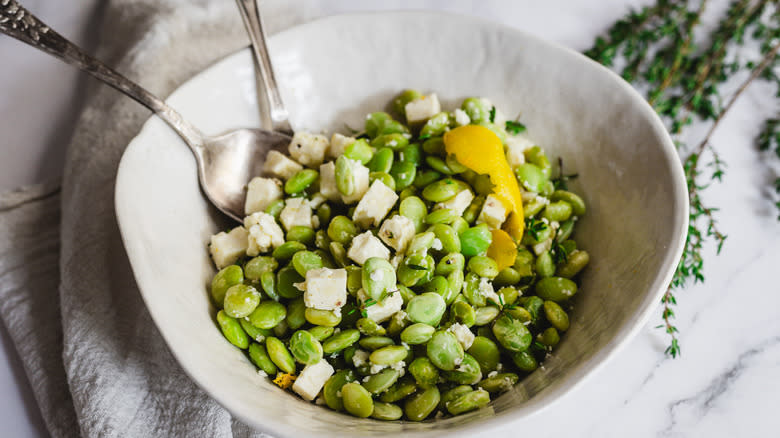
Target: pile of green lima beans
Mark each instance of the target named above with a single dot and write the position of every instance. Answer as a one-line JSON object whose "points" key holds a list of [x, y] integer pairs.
{"points": [[415, 364]]}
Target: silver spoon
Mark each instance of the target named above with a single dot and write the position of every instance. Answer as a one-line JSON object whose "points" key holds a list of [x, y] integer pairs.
{"points": [[225, 162]]}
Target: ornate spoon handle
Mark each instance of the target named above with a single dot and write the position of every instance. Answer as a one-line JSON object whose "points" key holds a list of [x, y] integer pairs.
{"points": [[17, 22], [250, 12]]}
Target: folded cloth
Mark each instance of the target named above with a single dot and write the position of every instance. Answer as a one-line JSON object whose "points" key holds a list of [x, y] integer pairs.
{"points": [[95, 360]]}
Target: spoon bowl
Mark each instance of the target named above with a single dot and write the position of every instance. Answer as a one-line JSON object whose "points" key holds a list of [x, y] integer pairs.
{"points": [[225, 162]]}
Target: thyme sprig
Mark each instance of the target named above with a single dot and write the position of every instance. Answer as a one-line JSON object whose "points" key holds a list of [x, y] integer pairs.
{"points": [[682, 73]]}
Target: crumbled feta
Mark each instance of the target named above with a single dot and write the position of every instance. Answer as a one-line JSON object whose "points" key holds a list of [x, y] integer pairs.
{"points": [[515, 146], [365, 246], [461, 118], [376, 368], [262, 373], [492, 373], [382, 310], [436, 244], [312, 378], [375, 205], [264, 233], [297, 211], [397, 232], [317, 200], [338, 143], [463, 334], [530, 196], [326, 289], [328, 187], [279, 165], [360, 176], [260, 193], [421, 109], [308, 149], [399, 366], [359, 358], [226, 248], [459, 203], [396, 260], [542, 246], [493, 213], [485, 288]]}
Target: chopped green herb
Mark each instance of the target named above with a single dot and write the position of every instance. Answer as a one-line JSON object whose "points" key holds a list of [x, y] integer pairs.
{"points": [[534, 227], [559, 253], [492, 114], [514, 127], [560, 183]]}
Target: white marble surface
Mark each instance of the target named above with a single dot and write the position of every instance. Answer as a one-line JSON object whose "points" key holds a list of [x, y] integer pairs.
{"points": [[727, 382]]}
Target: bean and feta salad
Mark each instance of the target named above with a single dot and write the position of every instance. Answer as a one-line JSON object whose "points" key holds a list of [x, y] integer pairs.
{"points": [[417, 269]]}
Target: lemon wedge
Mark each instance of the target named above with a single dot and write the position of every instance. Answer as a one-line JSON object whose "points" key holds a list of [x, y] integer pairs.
{"points": [[480, 150]]}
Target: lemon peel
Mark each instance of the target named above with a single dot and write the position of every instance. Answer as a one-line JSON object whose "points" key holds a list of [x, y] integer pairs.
{"points": [[502, 249], [284, 380], [480, 150]]}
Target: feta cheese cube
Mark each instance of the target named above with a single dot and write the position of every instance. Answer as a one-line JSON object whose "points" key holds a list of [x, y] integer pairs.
{"points": [[461, 118], [382, 310], [515, 146], [226, 248], [421, 109], [397, 232], [458, 203], [338, 143], [360, 175], [264, 233], [279, 165], [328, 186], [326, 289], [260, 193], [463, 334], [312, 379], [308, 149], [493, 213], [297, 211], [365, 246], [375, 205]]}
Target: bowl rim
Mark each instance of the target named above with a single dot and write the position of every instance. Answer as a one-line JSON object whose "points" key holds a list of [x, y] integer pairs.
{"points": [[592, 365]]}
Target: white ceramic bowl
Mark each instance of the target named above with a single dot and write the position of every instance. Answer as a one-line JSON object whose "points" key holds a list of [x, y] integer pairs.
{"points": [[335, 70]]}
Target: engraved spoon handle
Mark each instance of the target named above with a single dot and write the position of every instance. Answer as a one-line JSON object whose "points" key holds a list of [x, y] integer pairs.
{"points": [[250, 12], [17, 22]]}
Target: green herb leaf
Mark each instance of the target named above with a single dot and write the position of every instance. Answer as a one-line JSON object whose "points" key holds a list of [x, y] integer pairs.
{"points": [[514, 127]]}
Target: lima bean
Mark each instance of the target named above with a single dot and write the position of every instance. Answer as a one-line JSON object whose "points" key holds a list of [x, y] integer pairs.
{"points": [[357, 400], [225, 278], [259, 356], [232, 330], [468, 402], [279, 354]]}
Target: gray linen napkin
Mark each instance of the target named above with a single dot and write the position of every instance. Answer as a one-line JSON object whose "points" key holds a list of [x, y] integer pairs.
{"points": [[95, 360]]}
